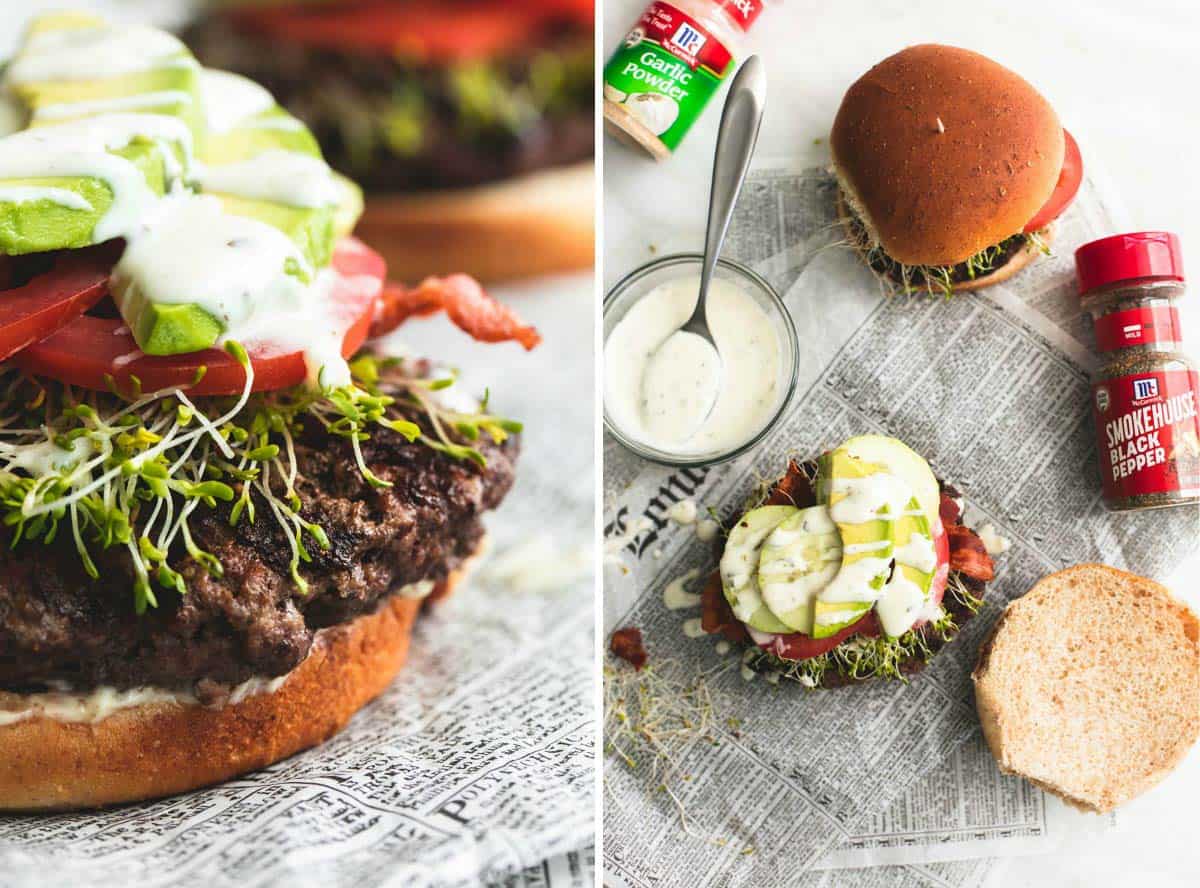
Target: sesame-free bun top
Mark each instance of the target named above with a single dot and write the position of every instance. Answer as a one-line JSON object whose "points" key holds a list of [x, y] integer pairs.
{"points": [[943, 153]]}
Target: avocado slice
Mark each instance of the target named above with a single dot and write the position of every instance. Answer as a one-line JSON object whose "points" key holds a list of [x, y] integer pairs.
{"points": [[739, 565], [863, 500], [67, 216], [800, 557], [904, 597]]}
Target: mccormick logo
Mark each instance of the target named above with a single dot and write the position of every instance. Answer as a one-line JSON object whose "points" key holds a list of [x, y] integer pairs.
{"points": [[745, 7], [688, 39], [1145, 389]]}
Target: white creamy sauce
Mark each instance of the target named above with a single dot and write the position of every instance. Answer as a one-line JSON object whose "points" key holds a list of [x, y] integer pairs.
{"points": [[99, 704], [64, 197], [285, 177], [694, 628], [233, 268], [853, 581], [723, 647], [676, 596], [47, 458], [81, 148], [135, 102], [707, 530], [540, 564], [918, 552], [230, 98], [419, 589], [863, 498], [613, 545], [748, 674], [680, 386], [992, 541], [900, 604], [83, 53], [750, 364], [683, 512]]}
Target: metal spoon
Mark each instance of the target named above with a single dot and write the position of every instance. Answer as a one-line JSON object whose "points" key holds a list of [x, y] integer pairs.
{"points": [[693, 342]]}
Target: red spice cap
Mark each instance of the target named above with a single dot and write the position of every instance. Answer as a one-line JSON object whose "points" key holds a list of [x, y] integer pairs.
{"points": [[744, 12], [1123, 257]]}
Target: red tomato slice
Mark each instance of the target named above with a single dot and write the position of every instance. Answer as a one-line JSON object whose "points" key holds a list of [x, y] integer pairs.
{"points": [[1066, 189], [32, 312], [798, 646], [429, 30], [83, 352]]}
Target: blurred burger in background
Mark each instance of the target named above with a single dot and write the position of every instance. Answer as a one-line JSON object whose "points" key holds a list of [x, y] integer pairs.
{"points": [[469, 123]]}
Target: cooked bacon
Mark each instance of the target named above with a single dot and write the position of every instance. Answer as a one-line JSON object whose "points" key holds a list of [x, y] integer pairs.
{"points": [[471, 309], [948, 510], [793, 489], [716, 616], [968, 555], [627, 644]]}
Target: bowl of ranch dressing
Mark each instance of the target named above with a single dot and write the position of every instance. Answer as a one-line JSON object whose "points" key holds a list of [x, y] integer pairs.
{"points": [[754, 336]]}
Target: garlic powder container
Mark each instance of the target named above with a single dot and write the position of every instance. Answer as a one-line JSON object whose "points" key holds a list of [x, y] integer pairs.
{"points": [[672, 62]]}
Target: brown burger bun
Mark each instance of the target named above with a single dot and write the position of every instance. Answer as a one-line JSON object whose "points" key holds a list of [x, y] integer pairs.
{"points": [[161, 749], [538, 224], [933, 196], [1011, 266], [1089, 685]]}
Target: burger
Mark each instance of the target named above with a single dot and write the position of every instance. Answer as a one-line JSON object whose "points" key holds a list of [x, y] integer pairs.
{"points": [[849, 567], [222, 510], [952, 170], [468, 122]]}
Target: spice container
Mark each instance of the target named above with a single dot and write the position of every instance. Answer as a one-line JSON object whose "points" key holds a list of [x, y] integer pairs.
{"points": [[672, 62], [1145, 393]]}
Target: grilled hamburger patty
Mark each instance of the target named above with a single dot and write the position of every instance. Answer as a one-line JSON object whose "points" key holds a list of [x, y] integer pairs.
{"points": [[392, 125], [56, 624]]}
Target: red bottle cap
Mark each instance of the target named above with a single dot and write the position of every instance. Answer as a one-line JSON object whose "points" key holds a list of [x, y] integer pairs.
{"points": [[1123, 257]]}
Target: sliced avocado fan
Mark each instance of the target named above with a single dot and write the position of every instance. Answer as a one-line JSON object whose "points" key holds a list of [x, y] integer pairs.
{"points": [[739, 567], [799, 558]]}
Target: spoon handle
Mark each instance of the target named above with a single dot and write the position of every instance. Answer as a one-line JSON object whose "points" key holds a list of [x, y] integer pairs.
{"points": [[740, 122]]}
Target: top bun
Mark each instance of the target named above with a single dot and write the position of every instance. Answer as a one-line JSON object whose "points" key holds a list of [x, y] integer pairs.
{"points": [[935, 193]]}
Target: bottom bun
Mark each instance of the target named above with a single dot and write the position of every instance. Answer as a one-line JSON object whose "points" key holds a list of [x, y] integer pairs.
{"points": [[159, 749], [543, 223], [1011, 266]]}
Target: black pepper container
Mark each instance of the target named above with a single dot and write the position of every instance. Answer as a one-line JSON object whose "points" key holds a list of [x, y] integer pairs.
{"points": [[1146, 393]]}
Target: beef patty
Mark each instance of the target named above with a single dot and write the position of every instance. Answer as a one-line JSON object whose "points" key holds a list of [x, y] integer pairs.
{"points": [[57, 624], [395, 126]]}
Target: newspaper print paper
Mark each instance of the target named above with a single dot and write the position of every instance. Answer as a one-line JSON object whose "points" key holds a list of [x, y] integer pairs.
{"points": [[993, 390], [479, 760]]}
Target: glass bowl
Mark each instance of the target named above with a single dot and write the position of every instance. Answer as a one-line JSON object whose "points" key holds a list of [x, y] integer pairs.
{"points": [[641, 281]]}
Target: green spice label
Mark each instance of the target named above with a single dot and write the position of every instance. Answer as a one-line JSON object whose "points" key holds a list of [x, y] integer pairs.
{"points": [[666, 71]]}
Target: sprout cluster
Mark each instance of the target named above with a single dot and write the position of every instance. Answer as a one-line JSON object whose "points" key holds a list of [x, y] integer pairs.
{"points": [[128, 470]]}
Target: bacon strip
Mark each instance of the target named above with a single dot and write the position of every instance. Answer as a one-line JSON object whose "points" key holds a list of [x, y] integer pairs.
{"points": [[716, 616], [968, 555], [466, 304], [793, 489], [627, 644], [948, 510]]}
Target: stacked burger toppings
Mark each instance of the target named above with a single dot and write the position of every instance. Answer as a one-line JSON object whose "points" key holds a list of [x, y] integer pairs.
{"points": [[850, 567]]}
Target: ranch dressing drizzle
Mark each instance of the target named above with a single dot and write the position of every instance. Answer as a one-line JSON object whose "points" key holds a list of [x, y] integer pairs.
{"points": [[95, 706], [676, 596], [138, 101], [64, 197], [750, 354], [230, 98], [286, 177], [83, 53], [81, 148]]}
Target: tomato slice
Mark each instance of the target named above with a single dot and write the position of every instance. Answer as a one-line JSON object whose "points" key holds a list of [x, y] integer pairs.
{"points": [[428, 30], [88, 349], [1066, 189], [798, 646], [32, 312]]}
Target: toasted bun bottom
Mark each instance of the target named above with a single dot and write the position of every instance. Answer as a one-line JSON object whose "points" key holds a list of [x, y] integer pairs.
{"points": [[1089, 685], [160, 749], [539, 224], [1012, 265]]}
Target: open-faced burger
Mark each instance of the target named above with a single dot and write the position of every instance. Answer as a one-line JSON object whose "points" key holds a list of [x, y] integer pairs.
{"points": [[221, 515], [853, 566]]}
